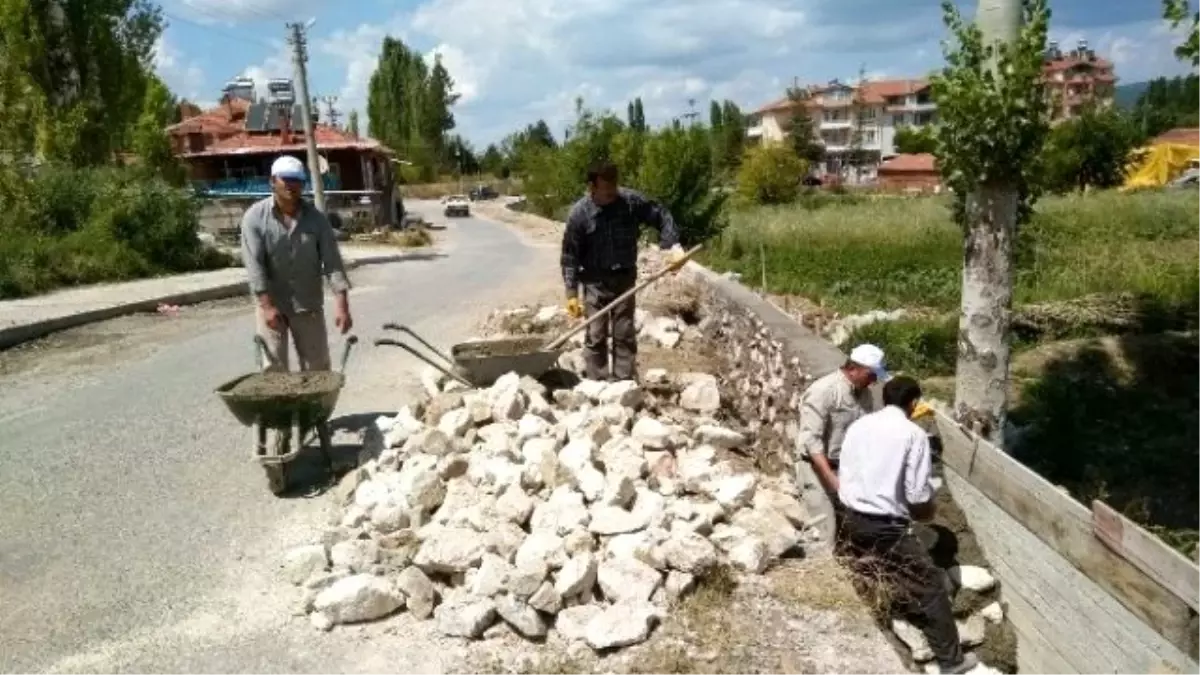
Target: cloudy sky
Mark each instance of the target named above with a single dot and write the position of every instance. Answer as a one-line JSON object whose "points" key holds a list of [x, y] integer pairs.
{"points": [[515, 61]]}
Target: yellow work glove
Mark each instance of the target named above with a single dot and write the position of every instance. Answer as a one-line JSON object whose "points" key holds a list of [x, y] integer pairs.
{"points": [[676, 259], [574, 308], [920, 410]]}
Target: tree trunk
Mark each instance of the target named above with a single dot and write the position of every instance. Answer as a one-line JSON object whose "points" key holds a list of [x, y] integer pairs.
{"points": [[981, 389]]}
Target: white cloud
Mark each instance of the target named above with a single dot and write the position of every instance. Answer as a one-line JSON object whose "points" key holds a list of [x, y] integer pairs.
{"points": [[184, 77]]}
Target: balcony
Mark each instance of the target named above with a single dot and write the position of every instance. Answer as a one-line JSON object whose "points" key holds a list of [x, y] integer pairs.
{"points": [[837, 124], [258, 185]]}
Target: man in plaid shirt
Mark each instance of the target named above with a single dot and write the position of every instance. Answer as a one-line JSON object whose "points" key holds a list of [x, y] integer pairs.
{"points": [[599, 253]]}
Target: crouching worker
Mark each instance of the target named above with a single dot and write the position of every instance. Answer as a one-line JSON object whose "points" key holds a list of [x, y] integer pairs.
{"points": [[885, 482], [828, 408]]}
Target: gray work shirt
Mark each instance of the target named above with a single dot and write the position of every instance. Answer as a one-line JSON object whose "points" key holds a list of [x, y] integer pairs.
{"points": [[829, 406], [289, 266]]}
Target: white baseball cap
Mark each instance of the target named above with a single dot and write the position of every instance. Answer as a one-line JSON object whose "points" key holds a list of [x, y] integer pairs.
{"points": [[870, 356], [288, 168]]}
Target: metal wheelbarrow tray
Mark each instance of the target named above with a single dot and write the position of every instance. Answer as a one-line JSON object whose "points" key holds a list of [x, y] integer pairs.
{"points": [[295, 402], [481, 363]]}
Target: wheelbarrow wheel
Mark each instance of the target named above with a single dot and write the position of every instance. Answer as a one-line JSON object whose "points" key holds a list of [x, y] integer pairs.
{"points": [[276, 478]]}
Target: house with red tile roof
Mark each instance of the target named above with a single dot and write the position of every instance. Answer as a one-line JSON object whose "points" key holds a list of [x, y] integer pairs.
{"points": [[1076, 79], [229, 149]]}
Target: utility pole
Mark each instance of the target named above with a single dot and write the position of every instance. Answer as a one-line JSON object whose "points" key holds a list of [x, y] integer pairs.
{"points": [[331, 113], [691, 114], [298, 40]]}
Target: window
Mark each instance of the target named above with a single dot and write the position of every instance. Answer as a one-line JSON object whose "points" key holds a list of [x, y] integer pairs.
{"points": [[867, 114], [870, 137]]}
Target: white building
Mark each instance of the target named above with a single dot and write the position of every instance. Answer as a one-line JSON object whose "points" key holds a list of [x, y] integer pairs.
{"points": [[839, 110]]}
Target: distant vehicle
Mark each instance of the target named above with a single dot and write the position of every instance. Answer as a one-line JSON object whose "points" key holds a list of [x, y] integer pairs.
{"points": [[481, 192], [457, 205]]}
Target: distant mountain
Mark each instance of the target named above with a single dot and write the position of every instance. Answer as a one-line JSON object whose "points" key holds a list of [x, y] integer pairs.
{"points": [[1126, 95]]}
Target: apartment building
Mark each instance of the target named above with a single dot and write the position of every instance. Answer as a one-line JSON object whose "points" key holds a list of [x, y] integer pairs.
{"points": [[876, 109], [880, 108], [1076, 79]]}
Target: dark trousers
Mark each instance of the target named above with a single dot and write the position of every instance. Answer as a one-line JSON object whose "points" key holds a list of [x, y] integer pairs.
{"points": [[915, 581], [598, 293]]}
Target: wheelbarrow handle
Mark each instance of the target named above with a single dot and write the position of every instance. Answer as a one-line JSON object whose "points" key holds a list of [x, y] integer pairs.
{"points": [[347, 344], [562, 339], [405, 329], [260, 349], [388, 342]]}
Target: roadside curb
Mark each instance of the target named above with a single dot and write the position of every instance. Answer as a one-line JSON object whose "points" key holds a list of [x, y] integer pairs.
{"points": [[15, 335]]}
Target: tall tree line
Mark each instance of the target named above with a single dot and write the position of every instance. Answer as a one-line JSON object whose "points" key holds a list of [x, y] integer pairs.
{"points": [[409, 107], [1168, 103]]}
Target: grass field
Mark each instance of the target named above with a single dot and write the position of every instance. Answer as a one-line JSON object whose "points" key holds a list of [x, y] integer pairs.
{"points": [[1105, 376]]}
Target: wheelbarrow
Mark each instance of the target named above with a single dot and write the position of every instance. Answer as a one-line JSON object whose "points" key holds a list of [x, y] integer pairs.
{"points": [[295, 404], [480, 363]]}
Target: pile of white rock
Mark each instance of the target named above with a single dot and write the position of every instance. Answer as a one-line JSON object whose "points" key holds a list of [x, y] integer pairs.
{"points": [[664, 331], [589, 511], [971, 630]]}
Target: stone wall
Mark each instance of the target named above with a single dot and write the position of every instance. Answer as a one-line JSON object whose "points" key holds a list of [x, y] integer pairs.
{"points": [[771, 360]]}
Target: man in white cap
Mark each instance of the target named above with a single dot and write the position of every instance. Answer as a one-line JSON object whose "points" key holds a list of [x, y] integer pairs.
{"points": [[831, 404], [289, 249]]}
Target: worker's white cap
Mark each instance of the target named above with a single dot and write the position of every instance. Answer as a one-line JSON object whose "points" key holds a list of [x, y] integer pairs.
{"points": [[870, 356], [288, 168]]}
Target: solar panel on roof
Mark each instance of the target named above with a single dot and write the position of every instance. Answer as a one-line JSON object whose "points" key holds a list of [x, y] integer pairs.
{"points": [[256, 117], [272, 119]]}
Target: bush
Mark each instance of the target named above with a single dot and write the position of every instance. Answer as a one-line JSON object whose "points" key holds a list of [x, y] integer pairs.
{"points": [[68, 226], [677, 169], [917, 347], [770, 174]]}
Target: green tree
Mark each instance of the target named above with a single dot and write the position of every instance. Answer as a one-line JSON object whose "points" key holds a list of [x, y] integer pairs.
{"points": [[730, 137], [993, 126], [915, 140], [73, 76], [1091, 150], [352, 124], [715, 116], [639, 115], [1168, 103], [770, 174], [802, 135], [677, 169], [1176, 12], [492, 160], [149, 139]]}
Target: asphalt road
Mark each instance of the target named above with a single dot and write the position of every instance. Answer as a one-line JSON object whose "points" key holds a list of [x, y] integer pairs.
{"points": [[135, 534]]}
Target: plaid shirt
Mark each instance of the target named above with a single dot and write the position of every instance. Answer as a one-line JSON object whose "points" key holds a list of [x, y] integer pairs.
{"points": [[604, 239]]}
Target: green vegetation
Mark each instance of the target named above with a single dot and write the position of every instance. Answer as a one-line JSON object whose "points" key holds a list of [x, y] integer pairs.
{"points": [[87, 174], [73, 226], [1166, 104], [677, 165], [1112, 412], [770, 174]]}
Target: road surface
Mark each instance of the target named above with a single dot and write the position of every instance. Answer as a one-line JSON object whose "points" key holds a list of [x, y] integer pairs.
{"points": [[137, 536]]}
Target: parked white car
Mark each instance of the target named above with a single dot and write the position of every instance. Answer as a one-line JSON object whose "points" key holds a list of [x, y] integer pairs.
{"points": [[457, 205]]}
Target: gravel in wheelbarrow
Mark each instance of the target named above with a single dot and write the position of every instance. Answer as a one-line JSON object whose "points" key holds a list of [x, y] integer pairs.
{"points": [[280, 399]]}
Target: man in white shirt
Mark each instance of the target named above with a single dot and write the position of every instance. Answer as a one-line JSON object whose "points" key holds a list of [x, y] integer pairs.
{"points": [[830, 405], [885, 483]]}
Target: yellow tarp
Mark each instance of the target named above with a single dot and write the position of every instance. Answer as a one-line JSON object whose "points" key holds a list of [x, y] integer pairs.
{"points": [[1157, 165]]}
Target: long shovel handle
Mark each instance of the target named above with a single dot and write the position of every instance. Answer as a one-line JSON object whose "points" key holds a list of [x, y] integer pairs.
{"points": [[388, 342], [561, 340]]}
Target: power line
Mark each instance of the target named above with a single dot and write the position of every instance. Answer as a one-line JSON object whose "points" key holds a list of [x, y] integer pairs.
{"points": [[217, 31], [331, 113]]}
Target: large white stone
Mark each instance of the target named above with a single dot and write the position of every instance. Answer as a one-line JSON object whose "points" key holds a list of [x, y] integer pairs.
{"points": [[542, 546], [993, 613], [429, 441], [619, 490], [785, 505], [651, 433], [572, 622], [532, 426], [419, 591], [451, 551], [688, 552], [771, 528], [627, 579], [525, 579], [732, 492], [622, 624], [465, 617], [514, 505], [562, 512], [610, 520], [702, 394], [492, 576], [420, 483], [577, 577], [546, 599], [623, 457], [300, 564], [357, 555], [972, 578], [456, 422], [362, 597], [625, 393], [523, 618], [592, 389], [509, 405], [389, 517], [369, 493], [643, 546]]}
